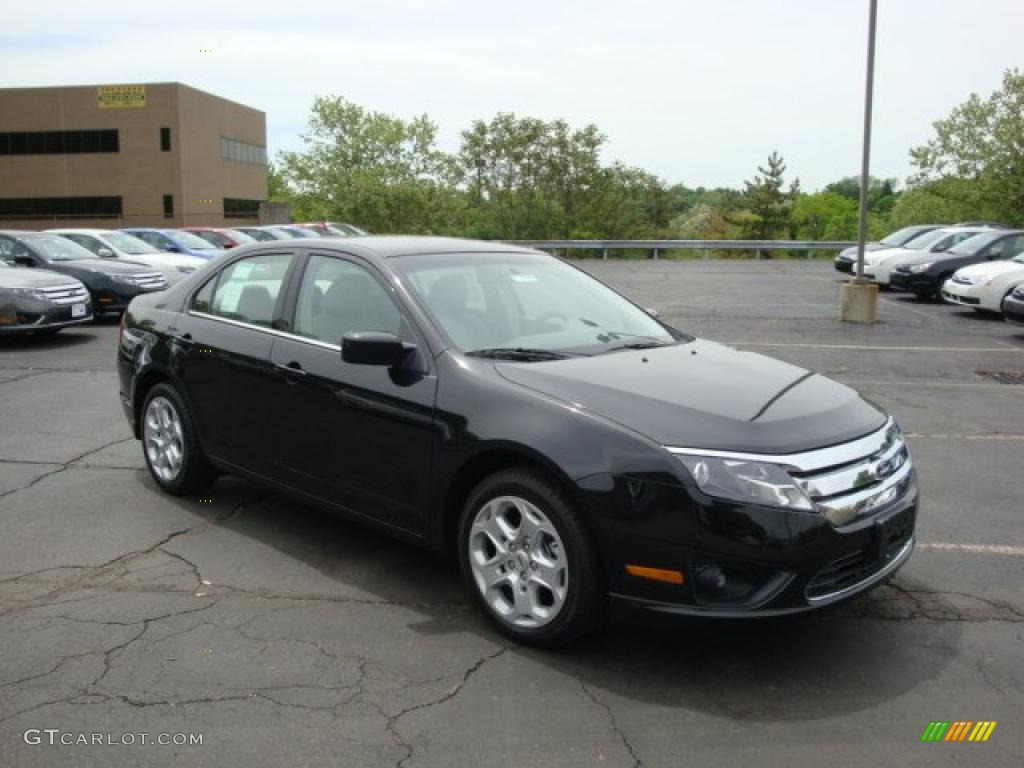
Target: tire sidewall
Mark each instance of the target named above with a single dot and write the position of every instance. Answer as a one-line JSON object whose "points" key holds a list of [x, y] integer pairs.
{"points": [[570, 621], [185, 479]]}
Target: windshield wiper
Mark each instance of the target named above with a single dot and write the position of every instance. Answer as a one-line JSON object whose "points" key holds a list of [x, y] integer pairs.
{"points": [[640, 345], [518, 353]]}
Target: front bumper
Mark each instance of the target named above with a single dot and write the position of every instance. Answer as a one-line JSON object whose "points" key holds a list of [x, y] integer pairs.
{"points": [[32, 315], [735, 559], [1013, 310], [913, 283], [962, 294], [117, 297]]}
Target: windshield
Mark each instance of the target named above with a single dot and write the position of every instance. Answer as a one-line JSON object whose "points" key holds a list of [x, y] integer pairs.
{"points": [[188, 240], [927, 240], [518, 302], [57, 248], [902, 236], [128, 244], [976, 243]]}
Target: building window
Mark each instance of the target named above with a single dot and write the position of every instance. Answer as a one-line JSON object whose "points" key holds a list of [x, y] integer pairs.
{"points": [[168, 206], [236, 208], [58, 142], [241, 152], [60, 208], [165, 139]]}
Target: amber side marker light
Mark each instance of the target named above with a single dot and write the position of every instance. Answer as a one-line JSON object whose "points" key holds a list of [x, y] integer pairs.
{"points": [[655, 574]]}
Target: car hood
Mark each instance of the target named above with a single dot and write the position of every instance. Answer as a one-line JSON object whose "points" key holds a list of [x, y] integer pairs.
{"points": [[205, 253], [885, 254], [851, 252], [706, 395], [103, 266], [925, 258], [991, 268], [31, 278], [164, 259]]}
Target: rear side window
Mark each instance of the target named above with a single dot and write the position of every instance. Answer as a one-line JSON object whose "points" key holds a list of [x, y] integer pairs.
{"points": [[247, 291]]}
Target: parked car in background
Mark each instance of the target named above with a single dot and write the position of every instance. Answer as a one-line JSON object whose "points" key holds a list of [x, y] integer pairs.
{"points": [[335, 229], [112, 283], [351, 229], [262, 234], [291, 231], [986, 224], [38, 301], [983, 287], [878, 265], [1013, 306], [224, 238], [924, 275], [112, 244], [847, 258], [584, 455], [175, 241]]}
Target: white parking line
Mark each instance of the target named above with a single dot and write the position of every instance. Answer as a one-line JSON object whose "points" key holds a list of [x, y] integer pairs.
{"points": [[879, 348], [963, 437], [985, 549]]}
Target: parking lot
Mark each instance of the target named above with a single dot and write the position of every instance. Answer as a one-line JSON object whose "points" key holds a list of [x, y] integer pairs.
{"points": [[287, 637]]}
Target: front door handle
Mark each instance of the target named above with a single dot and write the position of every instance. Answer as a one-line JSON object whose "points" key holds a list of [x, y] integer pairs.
{"points": [[292, 371]]}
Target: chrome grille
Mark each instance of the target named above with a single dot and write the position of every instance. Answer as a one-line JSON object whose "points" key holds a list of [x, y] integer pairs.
{"points": [[72, 293], [151, 281], [856, 478]]}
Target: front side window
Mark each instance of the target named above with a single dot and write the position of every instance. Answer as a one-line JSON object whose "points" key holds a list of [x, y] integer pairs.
{"points": [[337, 297], [248, 289]]}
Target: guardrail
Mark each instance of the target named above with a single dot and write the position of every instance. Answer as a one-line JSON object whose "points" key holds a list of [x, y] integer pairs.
{"points": [[657, 246]]}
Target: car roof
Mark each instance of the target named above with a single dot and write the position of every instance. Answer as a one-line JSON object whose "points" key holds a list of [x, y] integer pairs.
{"points": [[391, 246]]}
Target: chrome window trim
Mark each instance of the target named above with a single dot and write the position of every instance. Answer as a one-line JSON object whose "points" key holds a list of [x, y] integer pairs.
{"points": [[811, 461], [892, 565], [264, 329]]}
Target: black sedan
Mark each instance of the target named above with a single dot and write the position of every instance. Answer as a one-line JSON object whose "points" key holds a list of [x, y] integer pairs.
{"points": [[579, 457], [924, 275], [111, 283], [1013, 306], [39, 302]]}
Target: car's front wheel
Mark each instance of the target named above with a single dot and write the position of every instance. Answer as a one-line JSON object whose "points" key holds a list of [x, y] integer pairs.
{"points": [[170, 443], [528, 558]]}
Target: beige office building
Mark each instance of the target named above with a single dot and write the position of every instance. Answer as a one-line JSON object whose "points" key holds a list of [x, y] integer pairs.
{"points": [[159, 154]]}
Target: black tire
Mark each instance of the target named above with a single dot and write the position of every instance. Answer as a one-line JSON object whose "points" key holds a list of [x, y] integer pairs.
{"points": [[583, 607], [196, 472]]}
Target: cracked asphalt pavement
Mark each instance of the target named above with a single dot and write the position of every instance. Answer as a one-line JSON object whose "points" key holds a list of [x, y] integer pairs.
{"points": [[288, 637]]}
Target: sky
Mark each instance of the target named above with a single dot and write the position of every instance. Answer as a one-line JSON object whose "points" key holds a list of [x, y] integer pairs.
{"points": [[695, 91]]}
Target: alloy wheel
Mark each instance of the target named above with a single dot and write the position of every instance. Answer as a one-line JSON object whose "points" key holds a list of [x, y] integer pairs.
{"points": [[163, 439]]}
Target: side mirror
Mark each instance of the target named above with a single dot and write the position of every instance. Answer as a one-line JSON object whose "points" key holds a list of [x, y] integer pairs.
{"points": [[173, 248], [105, 253], [374, 348], [24, 261]]}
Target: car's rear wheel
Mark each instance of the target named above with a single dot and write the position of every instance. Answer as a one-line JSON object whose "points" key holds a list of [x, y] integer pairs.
{"points": [[170, 443], [528, 558]]}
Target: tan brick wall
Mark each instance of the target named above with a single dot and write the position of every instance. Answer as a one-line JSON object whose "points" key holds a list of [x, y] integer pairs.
{"points": [[193, 171]]}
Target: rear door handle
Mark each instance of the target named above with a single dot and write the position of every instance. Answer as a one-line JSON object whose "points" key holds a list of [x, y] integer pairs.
{"points": [[291, 370]]}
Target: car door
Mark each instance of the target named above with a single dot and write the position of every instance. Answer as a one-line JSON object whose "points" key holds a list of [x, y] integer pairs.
{"points": [[359, 436], [221, 349]]}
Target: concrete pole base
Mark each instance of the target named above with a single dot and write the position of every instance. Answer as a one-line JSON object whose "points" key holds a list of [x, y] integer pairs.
{"points": [[858, 302]]}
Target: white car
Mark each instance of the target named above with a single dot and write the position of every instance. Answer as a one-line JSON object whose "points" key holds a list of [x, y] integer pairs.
{"points": [[982, 287], [878, 265], [111, 244]]}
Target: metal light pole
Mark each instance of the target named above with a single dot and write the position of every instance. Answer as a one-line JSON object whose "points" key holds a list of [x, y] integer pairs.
{"points": [[858, 299], [862, 229]]}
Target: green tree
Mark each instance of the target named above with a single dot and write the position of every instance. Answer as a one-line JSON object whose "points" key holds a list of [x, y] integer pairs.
{"points": [[770, 207], [978, 154], [825, 216], [374, 169]]}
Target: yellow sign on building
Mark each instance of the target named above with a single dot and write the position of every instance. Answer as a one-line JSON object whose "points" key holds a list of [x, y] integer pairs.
{"points": [[115, 96]]}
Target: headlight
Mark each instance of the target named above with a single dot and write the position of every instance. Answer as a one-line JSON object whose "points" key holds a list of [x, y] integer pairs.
{"points": [[186, 270], [30, 293], [918, 268], [752, 482], [126, 279], [972, 280]]}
